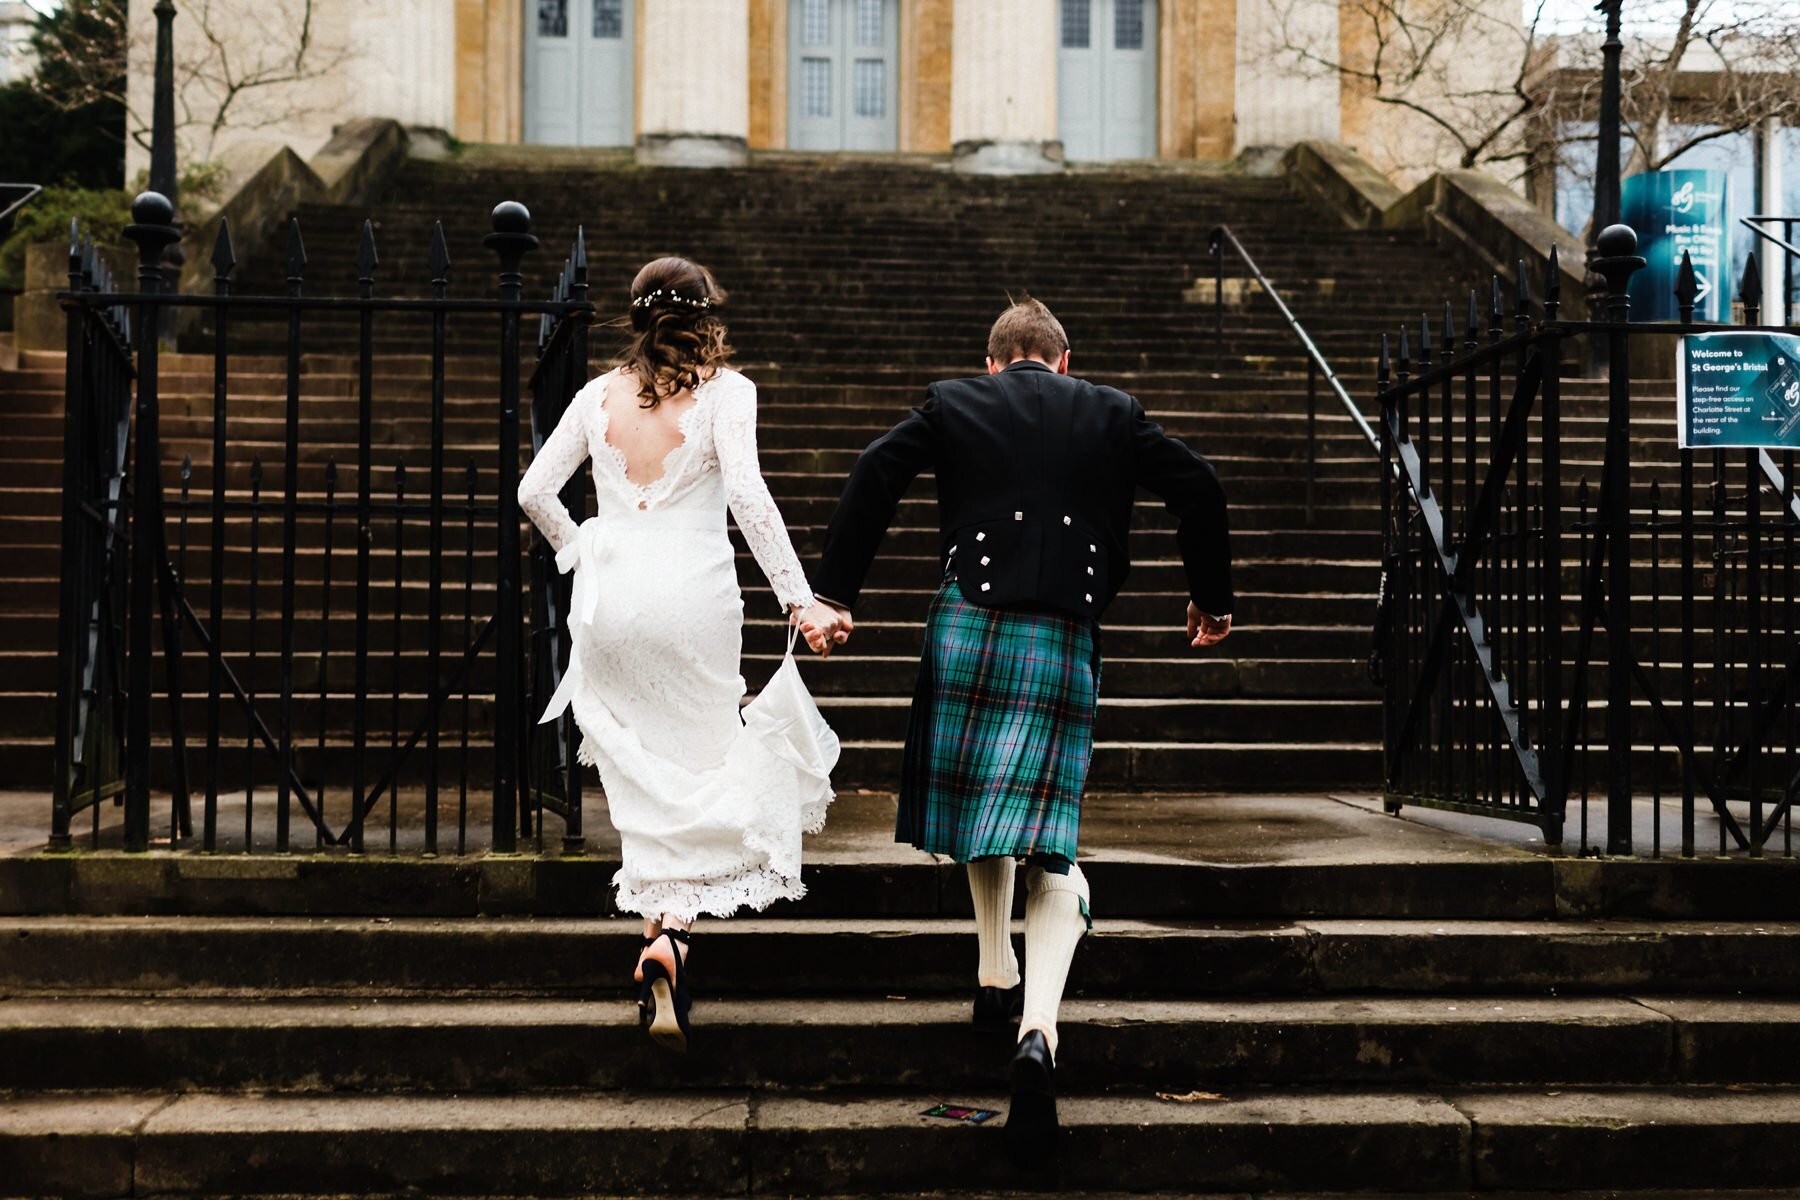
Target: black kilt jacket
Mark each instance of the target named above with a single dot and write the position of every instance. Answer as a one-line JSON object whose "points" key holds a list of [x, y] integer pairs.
{"points": [[1036, 476]]}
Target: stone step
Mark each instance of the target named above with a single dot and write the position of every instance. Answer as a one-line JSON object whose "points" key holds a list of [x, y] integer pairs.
{"points": [[897, 585], [856, 718], [1273, 763], [1163, 958], [31, 633], [745, 1142], [862, 674], [359, 1043]]}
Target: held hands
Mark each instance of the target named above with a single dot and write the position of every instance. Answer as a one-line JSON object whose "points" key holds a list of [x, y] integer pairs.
{"points": [[1203, 629], [824, 626]]}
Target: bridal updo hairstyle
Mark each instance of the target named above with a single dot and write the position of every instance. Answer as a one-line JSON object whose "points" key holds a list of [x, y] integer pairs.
{"points": [[677, 337]]}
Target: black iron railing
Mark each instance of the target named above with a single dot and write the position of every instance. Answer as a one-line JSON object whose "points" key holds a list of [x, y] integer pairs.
{"points": [[1219, 241], [1545, 639], [150, 585]]}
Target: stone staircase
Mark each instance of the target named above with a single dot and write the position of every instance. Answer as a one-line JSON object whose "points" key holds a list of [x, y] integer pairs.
{"points": [[852, 287], [1350, 1006]]}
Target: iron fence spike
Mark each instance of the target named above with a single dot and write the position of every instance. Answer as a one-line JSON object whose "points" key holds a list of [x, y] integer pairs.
{"points": [[366, 257], [1750, 289], [295, 258], [224, 257], [1687, 288], [437, 260]]}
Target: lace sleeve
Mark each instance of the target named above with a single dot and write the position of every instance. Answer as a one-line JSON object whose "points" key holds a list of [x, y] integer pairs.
{"points": [[562, 454], [734, 439]]}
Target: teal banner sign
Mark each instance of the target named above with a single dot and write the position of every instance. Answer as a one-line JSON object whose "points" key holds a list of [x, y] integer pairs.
{"points": [[1673, 211], [1739, 390]]}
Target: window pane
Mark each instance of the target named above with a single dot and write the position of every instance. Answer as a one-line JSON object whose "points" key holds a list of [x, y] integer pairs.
{"points": [[871, 87], [868, 22], [1128, 25], [815, 87], [1076, 16], [553, 18], [815, 23], [609, 18]]}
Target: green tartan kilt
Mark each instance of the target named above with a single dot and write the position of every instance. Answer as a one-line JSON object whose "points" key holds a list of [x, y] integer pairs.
{"points": [[1001, 732]]}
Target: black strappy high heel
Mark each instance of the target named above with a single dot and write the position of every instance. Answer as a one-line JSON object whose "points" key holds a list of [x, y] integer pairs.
{"points": [[663, 1001]]}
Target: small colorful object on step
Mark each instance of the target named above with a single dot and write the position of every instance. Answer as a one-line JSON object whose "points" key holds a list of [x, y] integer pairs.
{"points": [[960, 1112]]}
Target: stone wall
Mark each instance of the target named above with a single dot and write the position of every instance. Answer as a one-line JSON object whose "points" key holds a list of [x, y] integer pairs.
{"points": [[396, 58]]}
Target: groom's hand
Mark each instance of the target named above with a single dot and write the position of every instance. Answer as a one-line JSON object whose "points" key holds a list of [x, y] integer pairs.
{"points": [[824, 626], [1204, 629]]}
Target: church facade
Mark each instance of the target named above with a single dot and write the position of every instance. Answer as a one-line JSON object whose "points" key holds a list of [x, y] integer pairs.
{"points": [[1002, 84]]}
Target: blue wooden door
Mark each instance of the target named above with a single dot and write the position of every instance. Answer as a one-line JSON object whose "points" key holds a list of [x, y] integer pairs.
{"points": [[1106, 79], [578, 72], [843, 84]]}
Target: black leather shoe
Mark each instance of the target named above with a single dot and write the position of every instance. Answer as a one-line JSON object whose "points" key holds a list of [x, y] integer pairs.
{"points": [[996, 1009], [1031, 1128]]}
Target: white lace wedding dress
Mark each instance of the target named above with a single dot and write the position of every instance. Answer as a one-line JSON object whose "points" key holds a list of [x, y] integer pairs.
{"points": [[709, 817]]}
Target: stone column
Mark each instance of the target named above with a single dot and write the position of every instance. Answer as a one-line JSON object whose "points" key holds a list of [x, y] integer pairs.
{"points": [[1768, 255], [694, 83], [1003, 86]]}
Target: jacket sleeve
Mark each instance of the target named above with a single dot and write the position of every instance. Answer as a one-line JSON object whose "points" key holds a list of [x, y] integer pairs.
{"points": [[1190, 487], [871, 496]]}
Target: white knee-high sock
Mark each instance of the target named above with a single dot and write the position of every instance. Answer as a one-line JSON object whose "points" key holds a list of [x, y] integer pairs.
{"points": [[1055, 920], [991, 888]]}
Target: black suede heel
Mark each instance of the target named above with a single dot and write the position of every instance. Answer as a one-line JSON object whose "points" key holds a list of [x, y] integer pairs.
{"points": [[664, 1000]]}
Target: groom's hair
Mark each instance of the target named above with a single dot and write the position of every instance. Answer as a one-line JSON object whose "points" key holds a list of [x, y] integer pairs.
{"points": [[1026, 330]]}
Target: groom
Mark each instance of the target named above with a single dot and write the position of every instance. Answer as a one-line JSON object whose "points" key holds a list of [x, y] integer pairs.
{"points": [[1036, 475]]}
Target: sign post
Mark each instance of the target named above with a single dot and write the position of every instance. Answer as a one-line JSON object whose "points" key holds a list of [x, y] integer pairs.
{"points": [[1672, 212], [1738, 390]]}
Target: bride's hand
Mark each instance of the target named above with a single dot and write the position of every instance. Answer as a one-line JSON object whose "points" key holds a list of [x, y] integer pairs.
{"points": [[824, 626]]}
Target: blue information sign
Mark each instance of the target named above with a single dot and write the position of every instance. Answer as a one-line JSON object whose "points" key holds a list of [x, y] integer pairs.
{"points": [[1738, 389], [1673, 211]]}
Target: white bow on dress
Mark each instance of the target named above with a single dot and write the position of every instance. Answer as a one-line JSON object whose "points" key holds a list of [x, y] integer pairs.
{"points": [[583, 555]]}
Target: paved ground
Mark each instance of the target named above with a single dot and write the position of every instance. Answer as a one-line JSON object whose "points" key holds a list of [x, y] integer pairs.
{"points": [[1218, 829]]}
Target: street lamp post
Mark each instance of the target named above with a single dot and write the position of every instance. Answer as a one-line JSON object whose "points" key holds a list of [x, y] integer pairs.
{"points": [[1606, 166], [163, 171], [162, 112]]}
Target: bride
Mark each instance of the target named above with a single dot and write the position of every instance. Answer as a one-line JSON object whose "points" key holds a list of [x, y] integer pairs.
{"points": [[709, 808]]}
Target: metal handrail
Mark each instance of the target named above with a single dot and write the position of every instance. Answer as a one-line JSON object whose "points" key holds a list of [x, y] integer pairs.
{"points": [[29, 191], [1221, 234], [1754, 224]]}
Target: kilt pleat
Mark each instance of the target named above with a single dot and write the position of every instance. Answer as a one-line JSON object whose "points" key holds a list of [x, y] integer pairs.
{"points": [[1001, 732]]}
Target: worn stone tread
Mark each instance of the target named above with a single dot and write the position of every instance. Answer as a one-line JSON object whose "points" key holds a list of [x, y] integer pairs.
{"points": [[1271, 1142]]}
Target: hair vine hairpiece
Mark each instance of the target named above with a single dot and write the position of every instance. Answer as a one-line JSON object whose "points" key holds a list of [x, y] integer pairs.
{"points": [[645, 301]]}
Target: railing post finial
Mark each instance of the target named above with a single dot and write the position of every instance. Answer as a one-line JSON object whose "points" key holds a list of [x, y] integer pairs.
{"points": [[512, 239], [1617, 260], [153, 229]]}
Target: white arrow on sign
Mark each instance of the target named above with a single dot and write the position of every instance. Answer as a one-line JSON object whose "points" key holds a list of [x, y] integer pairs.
{"points": [[1705, 286]]}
